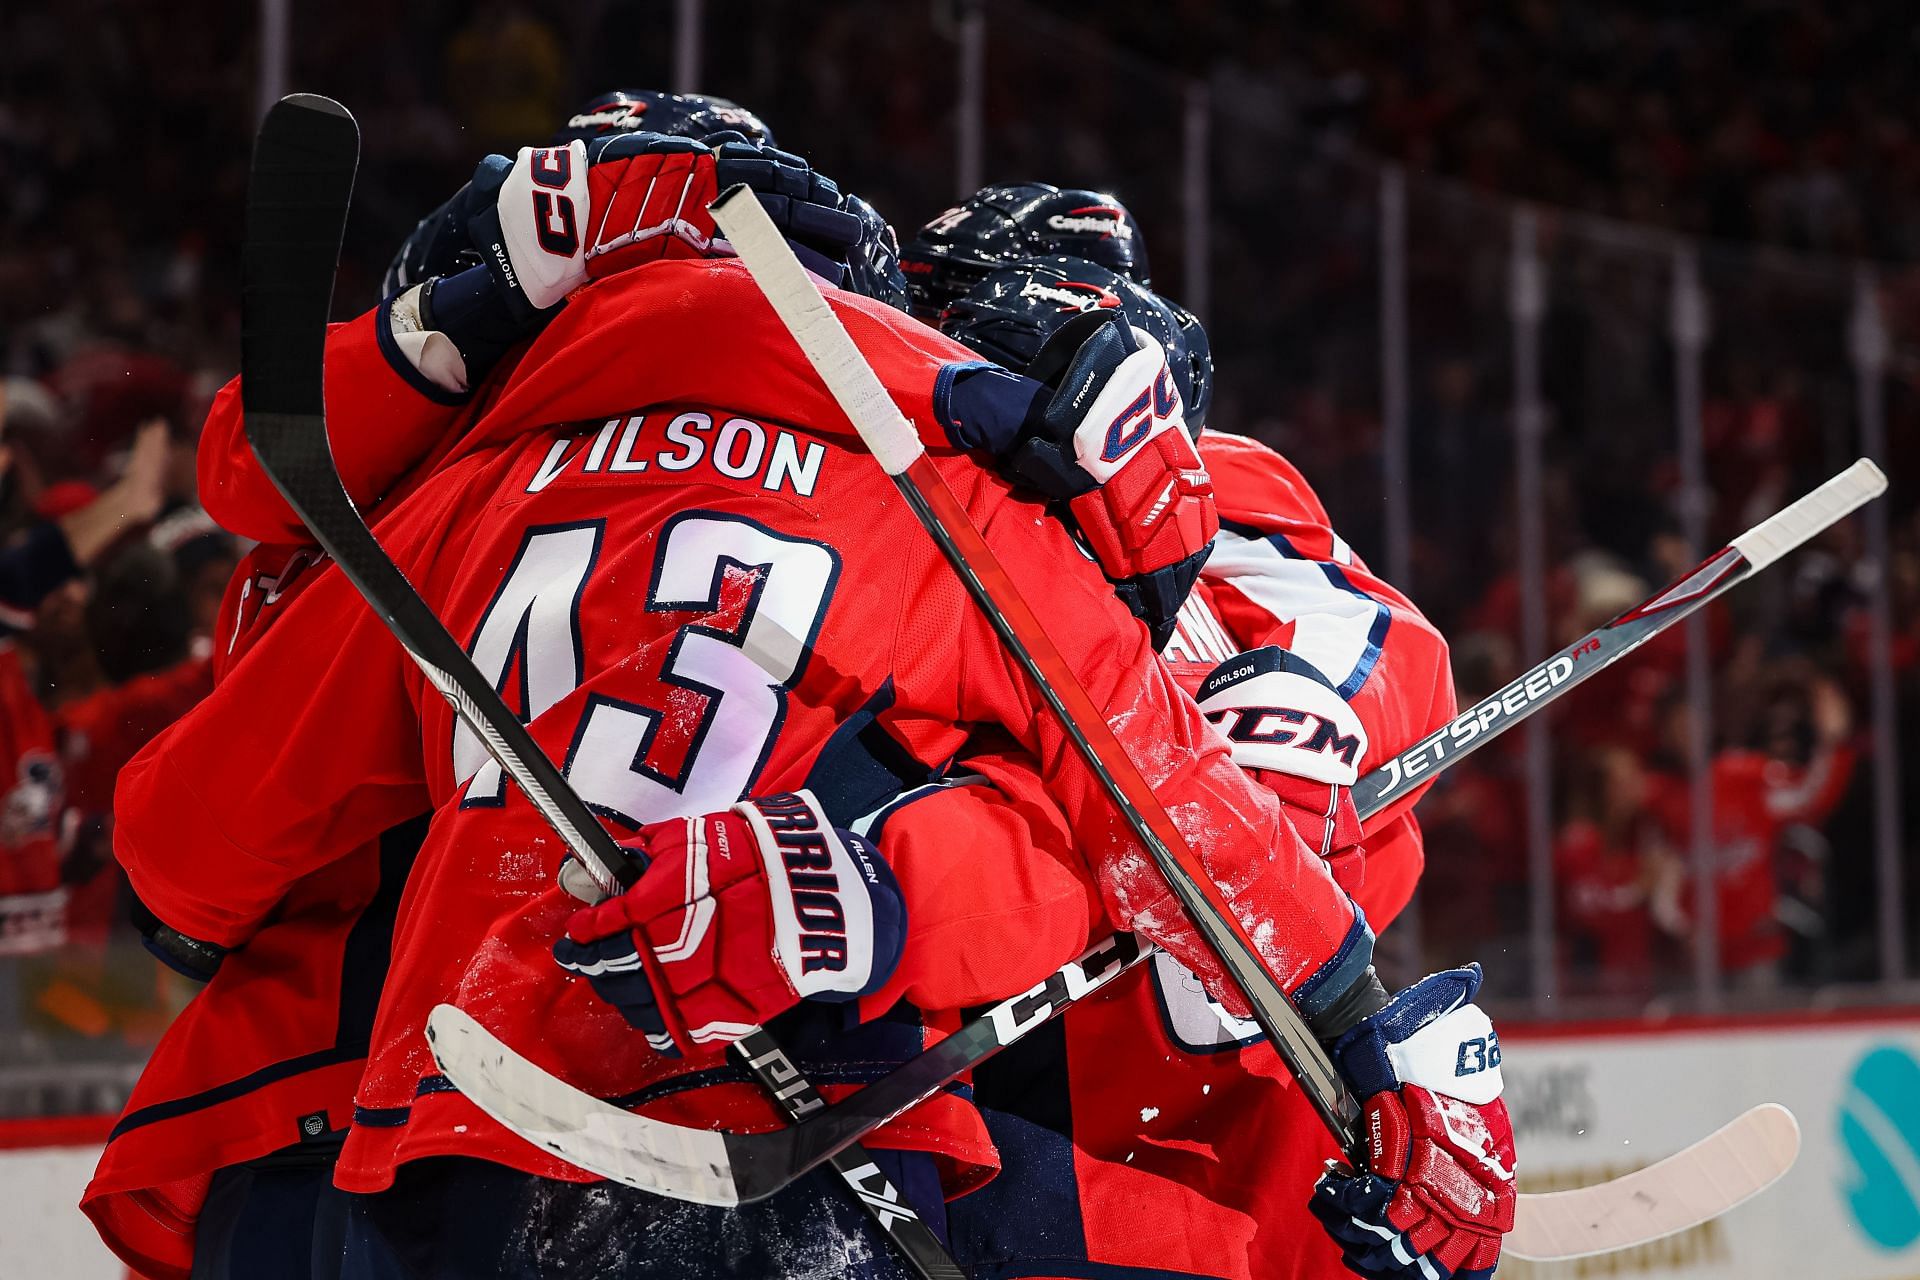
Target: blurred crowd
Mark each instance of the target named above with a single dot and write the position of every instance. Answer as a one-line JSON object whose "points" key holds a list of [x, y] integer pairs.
{"points": [[119, 313], [1787, 659], [1783, 122]]}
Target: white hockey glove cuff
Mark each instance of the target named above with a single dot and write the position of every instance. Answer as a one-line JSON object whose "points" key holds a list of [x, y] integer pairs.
{"points": [[1279, 714]]}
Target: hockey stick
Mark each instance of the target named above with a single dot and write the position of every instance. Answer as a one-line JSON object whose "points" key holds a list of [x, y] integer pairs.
{"points": [[726, 1168], [299, 190], [1734, 563], [1728, 1167], [895, 445], [1717, 1173]]}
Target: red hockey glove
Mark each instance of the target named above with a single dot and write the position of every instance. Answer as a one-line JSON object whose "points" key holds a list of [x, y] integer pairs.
{"points": [[740, 916], [1146, 505], [555, 217], [1438, 1191], [650, 195], [1291, 728]]}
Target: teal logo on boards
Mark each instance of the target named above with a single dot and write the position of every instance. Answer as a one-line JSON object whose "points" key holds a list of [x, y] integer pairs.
{"points": [[1880, 1133]]}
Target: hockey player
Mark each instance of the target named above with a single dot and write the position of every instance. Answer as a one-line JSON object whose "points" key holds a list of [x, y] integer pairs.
{"points": [[769, 460], [245, 1101], [1113, 1108]]}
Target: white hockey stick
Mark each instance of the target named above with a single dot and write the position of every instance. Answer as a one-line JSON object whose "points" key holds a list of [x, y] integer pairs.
{"points": [[1727, 1167]]}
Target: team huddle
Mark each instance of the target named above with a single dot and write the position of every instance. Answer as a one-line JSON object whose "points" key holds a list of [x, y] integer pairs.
{"points": [[580, 431]]}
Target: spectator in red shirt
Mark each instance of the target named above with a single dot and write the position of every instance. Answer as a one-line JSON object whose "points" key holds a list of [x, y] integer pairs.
{"points": [[1609, 858]]}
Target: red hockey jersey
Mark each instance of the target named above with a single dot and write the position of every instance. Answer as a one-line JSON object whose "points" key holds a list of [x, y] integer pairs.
{"points": [[1149, 1133], [688, 592]]}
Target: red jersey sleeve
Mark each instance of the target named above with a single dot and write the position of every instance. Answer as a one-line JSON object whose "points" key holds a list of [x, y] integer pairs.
{"points": [[383, 419], [1810, 793], [1281, 575], [993, 887], [305, 751], [1304, 924]]}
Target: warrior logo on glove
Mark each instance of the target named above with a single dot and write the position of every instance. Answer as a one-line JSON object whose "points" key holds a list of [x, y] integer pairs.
{"points": [[740, 916]]}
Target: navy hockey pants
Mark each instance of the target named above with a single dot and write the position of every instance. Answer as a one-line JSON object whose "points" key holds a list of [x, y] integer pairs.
{"points": [[459, 1219]]}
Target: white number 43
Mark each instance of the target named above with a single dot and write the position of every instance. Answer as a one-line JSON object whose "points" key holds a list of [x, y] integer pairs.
{"points": [[763, 596]]}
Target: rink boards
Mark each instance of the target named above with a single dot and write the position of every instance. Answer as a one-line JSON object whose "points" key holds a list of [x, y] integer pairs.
{"points": [[1592, 1103]]}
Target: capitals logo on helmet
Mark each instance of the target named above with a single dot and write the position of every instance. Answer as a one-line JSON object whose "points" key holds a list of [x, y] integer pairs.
{"points": [[1071, 295], [1010, 222], [1085, 224], [684, 115], [1010, 314]]}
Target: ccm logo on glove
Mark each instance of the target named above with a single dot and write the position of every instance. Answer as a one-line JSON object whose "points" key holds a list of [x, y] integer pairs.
{"points": [[1159, 405], [555, 220], [1281, 714]]}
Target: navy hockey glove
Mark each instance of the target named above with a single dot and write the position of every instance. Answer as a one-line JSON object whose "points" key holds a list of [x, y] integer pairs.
{"points": [[1438, 1191], [188, 957], [740, 916], [808, 207], [1097, 422], [442, 282]]}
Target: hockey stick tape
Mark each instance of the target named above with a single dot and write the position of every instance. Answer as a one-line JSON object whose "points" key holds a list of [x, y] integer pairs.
{"points": [[797, 299]]}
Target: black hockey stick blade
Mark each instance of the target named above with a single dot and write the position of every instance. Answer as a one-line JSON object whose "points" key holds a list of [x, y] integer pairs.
{"points": [[297, 196], [297, 200]]}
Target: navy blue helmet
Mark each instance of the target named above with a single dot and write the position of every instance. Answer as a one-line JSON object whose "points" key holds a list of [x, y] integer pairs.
{"points": [[1009, 222], [684, 115], [957, 249], [1011, 313], [1085, 224]]}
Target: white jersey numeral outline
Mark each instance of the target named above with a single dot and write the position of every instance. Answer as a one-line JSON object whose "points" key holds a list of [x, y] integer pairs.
{"points": [[531, 634]]}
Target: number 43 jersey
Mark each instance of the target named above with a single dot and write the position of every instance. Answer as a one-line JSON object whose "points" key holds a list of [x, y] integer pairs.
{"points": [[696, 589]]}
